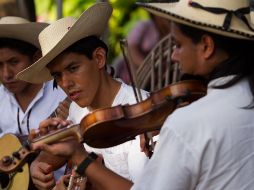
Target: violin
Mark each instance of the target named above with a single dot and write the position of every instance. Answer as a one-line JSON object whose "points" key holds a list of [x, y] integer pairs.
{"points": [[112, 126]]}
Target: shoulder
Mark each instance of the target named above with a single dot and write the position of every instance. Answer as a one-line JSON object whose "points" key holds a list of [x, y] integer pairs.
{"points": [[76, 113], [3, 93], [212, 116], [126, 95]]}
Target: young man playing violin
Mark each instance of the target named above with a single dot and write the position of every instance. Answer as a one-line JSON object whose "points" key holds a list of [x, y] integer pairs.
{"points": [[76, 59], [208, 144]]}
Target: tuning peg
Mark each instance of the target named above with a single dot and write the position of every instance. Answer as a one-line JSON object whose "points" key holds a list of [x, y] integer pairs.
{"points": [[16, 155], [7, 160]]}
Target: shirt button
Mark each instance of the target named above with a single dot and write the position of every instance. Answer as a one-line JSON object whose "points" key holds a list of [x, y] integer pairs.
{"points": [[23, 122]]}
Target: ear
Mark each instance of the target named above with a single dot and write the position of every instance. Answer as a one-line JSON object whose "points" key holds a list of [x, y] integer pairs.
{"points": [[99, 55], [36, 56], [207, 46]]}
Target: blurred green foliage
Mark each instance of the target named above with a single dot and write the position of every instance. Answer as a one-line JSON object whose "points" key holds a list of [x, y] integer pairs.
{"points": [[125, 15]]}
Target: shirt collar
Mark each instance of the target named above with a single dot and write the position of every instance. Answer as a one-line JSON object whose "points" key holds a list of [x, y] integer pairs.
{"points": [[219, 81], [38, 96]]}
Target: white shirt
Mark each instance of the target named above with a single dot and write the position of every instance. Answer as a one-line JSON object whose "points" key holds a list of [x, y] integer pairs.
{"points": [[126, 159], [208, 145], [41, 107], [45, 102]]}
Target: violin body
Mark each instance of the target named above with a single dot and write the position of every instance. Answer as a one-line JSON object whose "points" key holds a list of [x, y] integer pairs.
{"points": [[112, 126], [128, 121]]}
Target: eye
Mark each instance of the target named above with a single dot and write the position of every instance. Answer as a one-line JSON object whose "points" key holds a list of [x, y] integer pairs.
{"points": [[175, 45], [73, 68], [14, 62]]}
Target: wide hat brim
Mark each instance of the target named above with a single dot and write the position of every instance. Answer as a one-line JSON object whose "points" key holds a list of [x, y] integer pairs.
{"points": [[93, 22], [182, 12], [27, 32]]}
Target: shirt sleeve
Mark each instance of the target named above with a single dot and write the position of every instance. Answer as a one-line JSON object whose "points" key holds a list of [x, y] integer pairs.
{"points": [[172, 166], [137, 33]]}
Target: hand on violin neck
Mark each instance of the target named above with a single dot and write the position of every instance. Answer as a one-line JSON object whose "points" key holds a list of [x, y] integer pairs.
{"points": [[68, 148], [53, 124], [48, 126]]}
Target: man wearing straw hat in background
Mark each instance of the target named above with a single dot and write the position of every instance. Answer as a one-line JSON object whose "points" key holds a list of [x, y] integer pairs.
{"points": [[208, 144], [23, 105], [75, 57]]}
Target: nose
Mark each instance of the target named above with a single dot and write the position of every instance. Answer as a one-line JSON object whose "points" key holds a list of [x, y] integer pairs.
{"points": [[7, 73], [174, 55], [66, 81]]}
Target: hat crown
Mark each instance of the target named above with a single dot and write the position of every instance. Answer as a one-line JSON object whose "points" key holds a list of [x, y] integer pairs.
{"points": [[52, 34], [13, 20], [233, 18]]}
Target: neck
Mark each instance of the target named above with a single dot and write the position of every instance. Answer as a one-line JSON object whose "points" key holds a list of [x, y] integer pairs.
{"points": [[25, 97], [227, 67], [106, 94]]}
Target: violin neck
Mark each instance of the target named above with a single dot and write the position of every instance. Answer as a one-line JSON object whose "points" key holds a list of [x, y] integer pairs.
{"points": [[69, 131]]}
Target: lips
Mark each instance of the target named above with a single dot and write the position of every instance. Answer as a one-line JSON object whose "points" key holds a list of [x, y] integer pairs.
{"points": [[10, 84], [74, 95]]}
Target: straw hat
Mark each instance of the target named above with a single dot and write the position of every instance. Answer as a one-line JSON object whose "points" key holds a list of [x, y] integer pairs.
{"points": [[232, 18], [62, 33], [21, 29]]}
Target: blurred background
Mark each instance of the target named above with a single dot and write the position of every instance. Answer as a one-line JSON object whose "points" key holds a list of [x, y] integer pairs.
{"points": [[125, 15]]}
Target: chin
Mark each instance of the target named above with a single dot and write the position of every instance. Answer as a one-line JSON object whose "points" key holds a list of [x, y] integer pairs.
{"points": [[14, 90], [81, 104]]}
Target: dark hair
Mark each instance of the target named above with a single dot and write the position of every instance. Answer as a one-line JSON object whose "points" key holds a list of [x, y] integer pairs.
{"points": [[22, 47], [241, 57], [86, 46]]}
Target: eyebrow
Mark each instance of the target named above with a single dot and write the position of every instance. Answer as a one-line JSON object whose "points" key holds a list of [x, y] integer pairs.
{"points": [[70, 64], [9, 60], [65, 68]]}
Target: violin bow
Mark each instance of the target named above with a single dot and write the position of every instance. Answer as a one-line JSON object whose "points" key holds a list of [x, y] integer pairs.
{"points": [[137, 92], [133, 79]]}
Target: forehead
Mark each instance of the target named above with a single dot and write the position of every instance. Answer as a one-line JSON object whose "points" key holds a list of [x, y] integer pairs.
{"points": [[178, 35], [175, 30], [8, 53], [9, 50], [59, 61], [64, 60]]}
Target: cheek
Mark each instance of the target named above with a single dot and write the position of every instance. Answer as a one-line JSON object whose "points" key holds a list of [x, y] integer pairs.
{"points": [[1, 74], [89, 86], [187, 61], [18, 88]]}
